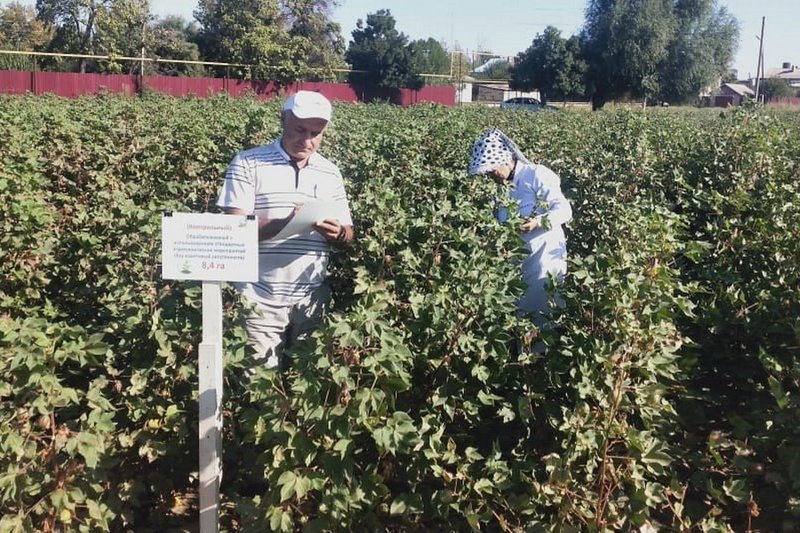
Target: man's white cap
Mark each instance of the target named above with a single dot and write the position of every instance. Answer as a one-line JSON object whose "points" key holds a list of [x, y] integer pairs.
{"points": [[308, 104]]}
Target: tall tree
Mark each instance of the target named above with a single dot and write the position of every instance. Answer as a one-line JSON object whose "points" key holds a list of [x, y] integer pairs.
{"points": [[173, 38], [637, 48], [552, 65], [75, 24], [325, 46], [701, 52], [98, 27], [380, 50], [252, 32], [122, 29], [626, 41], [428, 56], [19, 30]]}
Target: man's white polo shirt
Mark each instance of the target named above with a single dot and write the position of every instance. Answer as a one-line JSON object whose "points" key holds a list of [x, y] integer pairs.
{"points": [[264, 181]]}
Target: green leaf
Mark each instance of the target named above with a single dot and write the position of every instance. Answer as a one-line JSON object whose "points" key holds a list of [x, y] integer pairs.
{"points": [[780, 395], [736, 489], [656, 457], [341, 446], [398, 506], [472, 454], [481, 373], [280, 519], [89, 446], [487, 398], [483, 486], [287, 482]]}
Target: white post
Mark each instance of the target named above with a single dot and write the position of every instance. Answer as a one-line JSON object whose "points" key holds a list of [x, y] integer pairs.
{"points": [[183, 234], [210, 400]]}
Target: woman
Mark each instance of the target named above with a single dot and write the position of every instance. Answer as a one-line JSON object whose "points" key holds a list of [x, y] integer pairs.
{"points": [[541, 203]]}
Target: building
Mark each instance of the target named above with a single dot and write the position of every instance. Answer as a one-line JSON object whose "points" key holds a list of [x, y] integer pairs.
{"points": [[788, 72], [487, 92], [732, 94]]}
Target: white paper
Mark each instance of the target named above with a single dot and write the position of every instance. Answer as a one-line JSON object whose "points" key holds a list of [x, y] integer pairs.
{"points": [[311, 213]]}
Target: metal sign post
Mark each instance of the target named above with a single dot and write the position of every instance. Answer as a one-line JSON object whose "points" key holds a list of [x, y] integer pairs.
{"points": [[211, 248]]}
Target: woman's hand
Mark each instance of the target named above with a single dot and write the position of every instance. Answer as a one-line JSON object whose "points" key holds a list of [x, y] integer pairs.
{"points": [[530, 224]]}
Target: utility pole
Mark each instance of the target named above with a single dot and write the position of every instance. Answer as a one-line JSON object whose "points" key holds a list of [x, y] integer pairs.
{"points": [[760, 67], [141, 66]]}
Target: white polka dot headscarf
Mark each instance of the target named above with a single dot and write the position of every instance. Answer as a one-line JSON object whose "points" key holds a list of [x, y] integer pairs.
{"points": [[493, 150]]}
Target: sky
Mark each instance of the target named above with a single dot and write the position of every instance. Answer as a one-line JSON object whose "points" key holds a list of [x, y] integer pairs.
{"points": [[507, 27]]}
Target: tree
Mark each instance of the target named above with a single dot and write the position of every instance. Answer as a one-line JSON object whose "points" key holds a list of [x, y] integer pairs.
{"points": [[428, 56], [173, 38], [19, 30], [776, 88], [114, 28], [701, 51], [74, 23], [655, 48], [121, 30], [731, 76], [625, 42], [252, 32], [325, 47], [382, 52], [552, 65]]}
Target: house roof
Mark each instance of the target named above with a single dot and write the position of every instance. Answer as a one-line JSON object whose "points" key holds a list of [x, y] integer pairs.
{"points": [[490, 63], [738, 88], [791, 73]]}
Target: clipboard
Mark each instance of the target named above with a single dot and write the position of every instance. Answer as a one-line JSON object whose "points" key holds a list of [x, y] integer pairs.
{"points": [[303, 221]]}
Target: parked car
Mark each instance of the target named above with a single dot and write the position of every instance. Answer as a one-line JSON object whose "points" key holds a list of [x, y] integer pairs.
{"points": [[524, 102]]}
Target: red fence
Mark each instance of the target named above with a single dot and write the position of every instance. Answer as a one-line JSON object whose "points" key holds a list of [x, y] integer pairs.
{"points": [[786, 100], [71, 85]]}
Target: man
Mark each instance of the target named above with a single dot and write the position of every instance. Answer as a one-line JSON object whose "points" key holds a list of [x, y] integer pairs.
{"points": [[273, 182]]}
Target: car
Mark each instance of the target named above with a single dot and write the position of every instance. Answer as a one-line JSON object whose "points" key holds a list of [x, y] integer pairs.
{"points": [[525, 102]]}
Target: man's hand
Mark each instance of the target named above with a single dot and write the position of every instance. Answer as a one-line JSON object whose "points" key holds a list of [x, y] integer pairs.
{"points": [[529, 225], [334, 231]]}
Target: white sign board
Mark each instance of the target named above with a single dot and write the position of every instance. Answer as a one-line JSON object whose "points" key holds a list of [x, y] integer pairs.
{"points": [[209, 247]]}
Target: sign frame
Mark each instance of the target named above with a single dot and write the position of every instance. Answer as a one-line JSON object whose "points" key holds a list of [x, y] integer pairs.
{"points": [[209, 247]]}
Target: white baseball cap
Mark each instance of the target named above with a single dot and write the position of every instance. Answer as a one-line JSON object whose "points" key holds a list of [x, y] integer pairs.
{"points": [[308, 104]]}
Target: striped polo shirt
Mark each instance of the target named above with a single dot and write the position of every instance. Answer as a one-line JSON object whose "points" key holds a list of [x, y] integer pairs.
{"points": [[266, 182]]}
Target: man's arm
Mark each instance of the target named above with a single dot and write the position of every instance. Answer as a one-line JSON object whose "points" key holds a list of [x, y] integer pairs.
{"points": [[267, 227]]}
